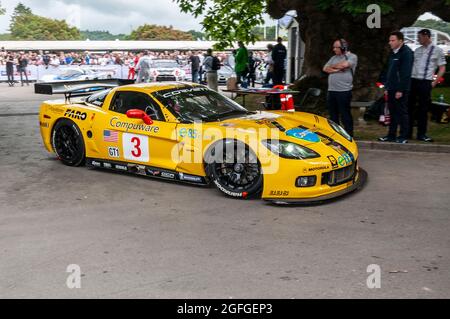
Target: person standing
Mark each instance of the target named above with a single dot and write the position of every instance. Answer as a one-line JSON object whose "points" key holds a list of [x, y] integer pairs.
{"points": [[279, 54], [269, 64], [341, 69], [143, 68], [210, 70], [10, 61], [241, 63], [253, 64], [22, 65], [195, 67], [398, 84], [427, 58]]}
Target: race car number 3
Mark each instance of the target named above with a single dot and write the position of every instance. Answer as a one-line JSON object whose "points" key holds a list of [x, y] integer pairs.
{"points": [[135, 147]]}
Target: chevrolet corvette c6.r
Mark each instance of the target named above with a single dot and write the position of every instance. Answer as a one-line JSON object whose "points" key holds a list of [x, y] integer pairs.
{"points": [[189, 133]]}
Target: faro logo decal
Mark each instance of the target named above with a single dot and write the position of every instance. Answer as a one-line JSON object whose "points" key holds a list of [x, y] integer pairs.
{"points": [[75, 114]]}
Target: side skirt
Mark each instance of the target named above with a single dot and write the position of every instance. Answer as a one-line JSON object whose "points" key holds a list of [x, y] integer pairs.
{"points": [[148, 171]]}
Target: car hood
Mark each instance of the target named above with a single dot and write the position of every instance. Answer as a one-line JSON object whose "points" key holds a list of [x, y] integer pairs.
{"points": [[301, 128]]}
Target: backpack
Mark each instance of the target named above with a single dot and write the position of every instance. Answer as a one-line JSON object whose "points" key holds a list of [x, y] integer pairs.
{"points": [[215, 63]]}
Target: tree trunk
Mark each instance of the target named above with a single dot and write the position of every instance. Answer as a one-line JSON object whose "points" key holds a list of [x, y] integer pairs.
{"points": [[320, 28]]}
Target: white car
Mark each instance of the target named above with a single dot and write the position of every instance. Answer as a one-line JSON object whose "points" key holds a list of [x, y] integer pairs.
{"points": [[166, 70], [77, 74]]}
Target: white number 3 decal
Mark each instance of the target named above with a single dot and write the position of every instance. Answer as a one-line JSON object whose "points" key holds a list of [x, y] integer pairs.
{"points": [[135, 147]]}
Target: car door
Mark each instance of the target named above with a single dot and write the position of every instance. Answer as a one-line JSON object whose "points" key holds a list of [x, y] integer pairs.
{"points": [[131, 140]]}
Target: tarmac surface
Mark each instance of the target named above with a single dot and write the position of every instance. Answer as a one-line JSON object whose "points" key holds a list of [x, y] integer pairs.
{"points": [[137, 237]]}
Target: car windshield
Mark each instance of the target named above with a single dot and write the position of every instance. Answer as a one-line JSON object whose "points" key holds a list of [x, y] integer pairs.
{"points": [[193, 104], [166, 64]]}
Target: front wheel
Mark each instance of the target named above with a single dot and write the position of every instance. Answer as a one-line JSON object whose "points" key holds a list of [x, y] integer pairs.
{"points": [[235, 170], [68, 143]]}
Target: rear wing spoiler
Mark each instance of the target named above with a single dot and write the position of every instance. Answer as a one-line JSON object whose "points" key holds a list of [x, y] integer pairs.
{"points": [[78, 88]]}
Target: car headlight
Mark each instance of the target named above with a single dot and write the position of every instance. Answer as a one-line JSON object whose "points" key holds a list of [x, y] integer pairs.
{"points": [[289, 150], [340, 130]]}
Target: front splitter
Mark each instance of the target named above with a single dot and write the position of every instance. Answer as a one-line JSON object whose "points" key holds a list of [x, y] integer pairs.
{"points": [[357, 185]]}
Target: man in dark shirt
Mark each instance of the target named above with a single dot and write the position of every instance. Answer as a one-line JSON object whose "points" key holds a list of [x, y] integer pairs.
{"points": [[10, 68], [195, 67], [22, 68], [279, 54], [398, 82]]}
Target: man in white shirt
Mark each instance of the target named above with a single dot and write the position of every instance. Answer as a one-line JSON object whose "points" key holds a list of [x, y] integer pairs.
{"points": [[427, 58], [211, 74], [143, 68]]}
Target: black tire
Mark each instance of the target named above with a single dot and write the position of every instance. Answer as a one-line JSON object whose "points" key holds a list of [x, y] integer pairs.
{"points": [[68, 143], [237, 175]]}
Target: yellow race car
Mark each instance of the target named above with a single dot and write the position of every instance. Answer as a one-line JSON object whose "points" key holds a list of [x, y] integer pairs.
{"points": [[189, 133]]}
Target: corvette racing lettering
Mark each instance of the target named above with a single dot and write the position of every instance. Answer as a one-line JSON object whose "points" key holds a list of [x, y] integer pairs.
{"points": [[173, 93], [43, 124], [302, 134], [75, 114], [115, 122]]}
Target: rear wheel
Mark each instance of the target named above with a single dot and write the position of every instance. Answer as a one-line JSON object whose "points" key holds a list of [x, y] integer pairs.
{"points": [[68, 143], [235, 170]]}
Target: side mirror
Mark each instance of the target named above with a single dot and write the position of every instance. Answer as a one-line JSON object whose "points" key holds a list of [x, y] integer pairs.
{"points": [[139, 114]]}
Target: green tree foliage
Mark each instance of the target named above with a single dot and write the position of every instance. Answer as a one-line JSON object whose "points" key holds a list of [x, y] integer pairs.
{"points": [[27, 26], [101, 36], [155, 32], [433, 24], [227, 21]]}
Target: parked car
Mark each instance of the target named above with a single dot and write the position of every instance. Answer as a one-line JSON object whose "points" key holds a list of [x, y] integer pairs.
{"points": [[167, 70], [77, 74]]}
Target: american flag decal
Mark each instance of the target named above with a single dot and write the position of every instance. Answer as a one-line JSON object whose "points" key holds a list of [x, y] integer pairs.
{"points": [[110, 136]]}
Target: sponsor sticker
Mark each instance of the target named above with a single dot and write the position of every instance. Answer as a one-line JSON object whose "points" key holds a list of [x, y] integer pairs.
{"points": [[113, 152], [75, 114], [190, 178], [116, 123], [279, 193], [121, 167], [302, 134], [168, 175], [96, 164], [333, 161]]}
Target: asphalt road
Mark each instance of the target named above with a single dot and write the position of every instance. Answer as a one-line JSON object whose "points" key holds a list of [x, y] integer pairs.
{"points": [[136, 237]]}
